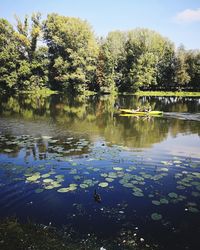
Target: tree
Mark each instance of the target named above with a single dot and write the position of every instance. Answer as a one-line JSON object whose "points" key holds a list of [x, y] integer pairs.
{"points": [[193, 69], [72, 52], [146, 54], [181, 75], [9, 56], [105, 75], [33, 64]]}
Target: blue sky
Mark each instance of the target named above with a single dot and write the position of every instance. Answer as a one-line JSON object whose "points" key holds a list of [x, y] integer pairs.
{"points": [[179, 20]]}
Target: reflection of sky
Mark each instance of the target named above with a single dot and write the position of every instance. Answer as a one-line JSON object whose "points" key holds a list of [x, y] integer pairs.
{"points": [[181, 145]]}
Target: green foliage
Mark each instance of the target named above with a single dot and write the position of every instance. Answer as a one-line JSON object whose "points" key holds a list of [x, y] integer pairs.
{"points": [[148, 56], [193, 70], [8, 56], [62, 54], [110, 61], [181, 75], [105, 70], [72, 51]]}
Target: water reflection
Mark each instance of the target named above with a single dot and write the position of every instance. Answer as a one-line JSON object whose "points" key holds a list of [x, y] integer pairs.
{"points": [[59, 115]]}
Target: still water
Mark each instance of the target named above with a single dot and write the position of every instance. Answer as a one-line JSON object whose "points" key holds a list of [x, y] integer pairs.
{"points": [[56, 151]]}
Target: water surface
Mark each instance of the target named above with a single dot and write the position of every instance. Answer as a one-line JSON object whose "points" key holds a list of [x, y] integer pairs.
{"points": [[56, 151]]}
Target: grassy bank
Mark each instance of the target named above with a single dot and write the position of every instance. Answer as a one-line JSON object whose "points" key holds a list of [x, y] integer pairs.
{"points": [[168, 93], [17, 236], [39, 91]]}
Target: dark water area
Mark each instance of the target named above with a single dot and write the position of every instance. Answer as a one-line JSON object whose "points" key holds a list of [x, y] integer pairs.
{"points": [[56, 151]]}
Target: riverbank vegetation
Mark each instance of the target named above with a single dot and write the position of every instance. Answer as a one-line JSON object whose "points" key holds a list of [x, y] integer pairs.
{"points": [[168, 93], [62, 53]]}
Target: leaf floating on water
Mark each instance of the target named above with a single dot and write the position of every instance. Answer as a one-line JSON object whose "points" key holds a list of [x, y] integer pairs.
{"points": [[117, 168], [173, 195], [74, 164], [138, 194], [45, 175], [112, 175], [72, 187], [193, 209], [8, 150], [49, 187], [104, 175], [163, 169], [180, 187], [165, 162], [39, 190], [109, 179], [177, 162], [157, 203], [77, 177], [63, 190], [103, 184], [48, 180], [164, 201], [83, 185], [46, 137], [156, 216], [33, 178], [60, 176]]}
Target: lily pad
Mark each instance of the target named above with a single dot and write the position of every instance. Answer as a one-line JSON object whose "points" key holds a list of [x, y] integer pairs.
{"points": [[103, 184], [63, 190], [48, 180], [173, 195], [164, 201], [45, 175], [8, 150], [117, 168], [109, 179], [193, 209], [138, 194], [33, 178], [39, 190], [155, 202], [83, 185], [156, 216]]}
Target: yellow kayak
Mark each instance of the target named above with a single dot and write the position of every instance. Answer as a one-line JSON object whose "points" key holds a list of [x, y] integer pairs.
{"points": [[132, 112]]}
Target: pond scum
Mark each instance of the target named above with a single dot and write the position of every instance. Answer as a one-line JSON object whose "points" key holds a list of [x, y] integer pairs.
{"points": [[169, 185]]}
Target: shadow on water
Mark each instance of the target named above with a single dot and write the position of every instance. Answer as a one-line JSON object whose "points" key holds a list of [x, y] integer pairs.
{"points": [[56, 151]]}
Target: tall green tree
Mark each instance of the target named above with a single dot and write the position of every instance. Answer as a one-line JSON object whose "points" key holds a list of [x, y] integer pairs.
{"points": [[105, 72], [112, 49], [181, 74], [33, 64], [193, 69], [72, 52], [9, 56], [145, 52]]}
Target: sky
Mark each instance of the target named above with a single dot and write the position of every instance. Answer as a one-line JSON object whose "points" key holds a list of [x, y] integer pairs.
{"points": [[179, 20]]}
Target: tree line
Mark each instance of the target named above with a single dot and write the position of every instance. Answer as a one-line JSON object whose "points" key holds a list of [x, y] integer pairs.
{"points": [[62, 53]]}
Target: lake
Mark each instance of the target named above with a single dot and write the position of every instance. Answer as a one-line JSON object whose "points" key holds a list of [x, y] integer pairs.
{"points": [[56, 152]]}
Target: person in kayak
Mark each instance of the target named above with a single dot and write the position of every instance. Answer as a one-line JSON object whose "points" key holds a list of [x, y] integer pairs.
{"points": [[117, 106], [142, 109]]}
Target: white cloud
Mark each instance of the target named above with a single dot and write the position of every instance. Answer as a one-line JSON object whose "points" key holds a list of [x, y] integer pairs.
{"points": [[188, 16]]}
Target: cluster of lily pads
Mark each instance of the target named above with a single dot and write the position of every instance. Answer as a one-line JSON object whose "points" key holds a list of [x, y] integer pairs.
{"points": [[56, 148], [107, 166]]}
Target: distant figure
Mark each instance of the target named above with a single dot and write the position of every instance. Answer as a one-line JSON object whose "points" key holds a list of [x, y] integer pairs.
{"points": [[137, 109], [116, 105], [97, 197], [148, 109]]}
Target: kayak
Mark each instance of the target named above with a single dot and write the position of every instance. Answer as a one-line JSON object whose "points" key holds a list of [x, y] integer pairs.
{"points": [[132, 112]]}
